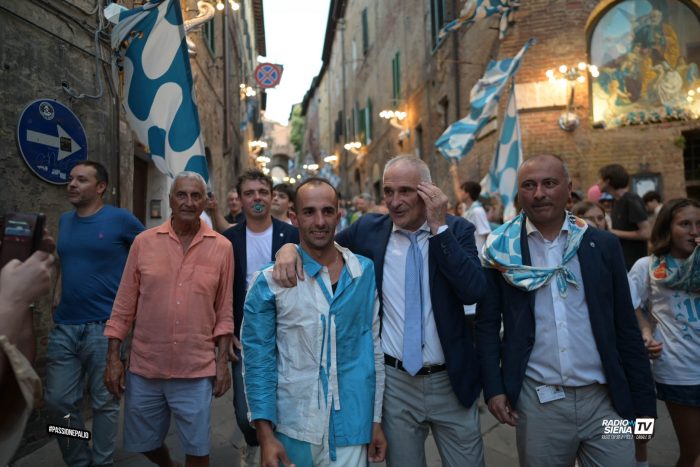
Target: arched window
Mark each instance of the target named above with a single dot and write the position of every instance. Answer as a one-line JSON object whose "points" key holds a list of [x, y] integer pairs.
{"points": [[647, 52]]}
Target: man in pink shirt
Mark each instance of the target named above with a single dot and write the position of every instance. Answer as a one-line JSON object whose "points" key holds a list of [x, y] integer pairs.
{"points": [[178, 280]]}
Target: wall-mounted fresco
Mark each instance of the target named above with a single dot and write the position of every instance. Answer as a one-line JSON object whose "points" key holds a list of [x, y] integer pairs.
{"points": [[647, 53]]}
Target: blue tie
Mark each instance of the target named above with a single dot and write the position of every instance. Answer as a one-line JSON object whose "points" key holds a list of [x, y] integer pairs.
{"points": [[413, 313]]}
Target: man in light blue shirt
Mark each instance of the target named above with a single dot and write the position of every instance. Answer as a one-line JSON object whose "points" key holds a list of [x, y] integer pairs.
{"points": [[313, 363]]}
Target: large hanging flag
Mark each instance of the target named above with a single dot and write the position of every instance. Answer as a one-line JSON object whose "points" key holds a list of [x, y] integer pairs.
{"points": [[474, 10], [459, 137], [152, 67], [501, 177]]}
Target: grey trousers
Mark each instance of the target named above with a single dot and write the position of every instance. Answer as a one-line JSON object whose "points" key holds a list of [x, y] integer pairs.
{"points": [[557, 433], [414, 404]]}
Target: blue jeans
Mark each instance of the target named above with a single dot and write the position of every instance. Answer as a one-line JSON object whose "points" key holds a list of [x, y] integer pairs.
{"points": [[240, 404], [74, 352]]}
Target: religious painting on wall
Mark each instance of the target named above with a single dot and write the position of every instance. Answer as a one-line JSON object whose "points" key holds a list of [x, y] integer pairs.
{"points": [[647, 53]]}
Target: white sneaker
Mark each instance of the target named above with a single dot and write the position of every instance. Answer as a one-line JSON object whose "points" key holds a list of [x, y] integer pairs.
{"points": [[250, 456]]}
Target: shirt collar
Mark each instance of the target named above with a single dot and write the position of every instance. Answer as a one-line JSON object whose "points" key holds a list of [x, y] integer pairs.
{"points": [[530, 228], [313, 267], [204, 230], [424, 227]]}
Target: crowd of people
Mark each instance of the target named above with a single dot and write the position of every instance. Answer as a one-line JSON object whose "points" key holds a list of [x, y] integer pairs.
{"points": [[348, 334]]}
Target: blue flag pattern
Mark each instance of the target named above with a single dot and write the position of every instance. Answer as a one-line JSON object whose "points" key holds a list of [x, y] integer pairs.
{"points": [[474, 10], [501, 177], [152, 68], [459, 137]]}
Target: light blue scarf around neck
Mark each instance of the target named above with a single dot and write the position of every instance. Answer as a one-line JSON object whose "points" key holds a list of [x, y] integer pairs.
{"points": [[503, 252], [675, 273]]}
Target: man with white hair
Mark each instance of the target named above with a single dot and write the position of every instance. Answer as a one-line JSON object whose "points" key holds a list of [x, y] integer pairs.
{"points": [[178, 280]]}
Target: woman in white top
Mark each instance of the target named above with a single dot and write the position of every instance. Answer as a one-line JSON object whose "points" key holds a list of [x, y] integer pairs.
{"points": [[667, 284]]}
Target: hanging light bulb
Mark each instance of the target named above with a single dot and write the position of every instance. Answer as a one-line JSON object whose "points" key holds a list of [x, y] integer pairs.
{"points": [[220, 5]]}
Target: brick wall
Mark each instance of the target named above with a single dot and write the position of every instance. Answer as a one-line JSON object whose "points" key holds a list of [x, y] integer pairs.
{"points": [[430, 77]]}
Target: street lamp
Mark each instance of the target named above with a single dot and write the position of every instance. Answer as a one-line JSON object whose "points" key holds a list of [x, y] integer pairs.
{"points": [[257, 145], [354, 147], [569, 121], [394, 117], [246, 91], [313, 167], [693, 94], [332, 160]]}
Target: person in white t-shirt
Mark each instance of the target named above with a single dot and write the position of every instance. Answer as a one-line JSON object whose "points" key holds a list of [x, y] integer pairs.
{"points": [[468, 194], [255, 241], [667, 284]]}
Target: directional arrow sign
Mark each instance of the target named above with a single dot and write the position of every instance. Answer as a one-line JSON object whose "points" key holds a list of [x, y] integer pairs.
{"points": [[65, 144], [51, 140]]}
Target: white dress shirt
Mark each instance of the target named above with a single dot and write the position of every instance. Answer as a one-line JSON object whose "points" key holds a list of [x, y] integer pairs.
{"points": [[565, 351], [393, 296]]}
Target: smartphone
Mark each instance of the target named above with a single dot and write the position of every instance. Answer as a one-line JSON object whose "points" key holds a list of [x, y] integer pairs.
{"points": [[21, 234]]}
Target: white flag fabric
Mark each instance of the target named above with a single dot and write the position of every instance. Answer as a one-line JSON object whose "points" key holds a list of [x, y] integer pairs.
{"points": [[501, 177], [459, 137], [152, 68], [474, 10]]}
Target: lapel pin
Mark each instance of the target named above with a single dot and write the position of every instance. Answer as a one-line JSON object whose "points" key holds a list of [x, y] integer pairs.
{"points": [[592, 244], [281, 234]]}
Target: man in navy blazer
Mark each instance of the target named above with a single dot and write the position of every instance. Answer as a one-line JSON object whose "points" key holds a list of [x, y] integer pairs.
{"points": [[440, 395], [255, 241], [566, 364]]}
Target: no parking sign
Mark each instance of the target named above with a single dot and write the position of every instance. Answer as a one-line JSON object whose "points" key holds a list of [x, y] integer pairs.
{"points": [[268, 75], [51, 140]]}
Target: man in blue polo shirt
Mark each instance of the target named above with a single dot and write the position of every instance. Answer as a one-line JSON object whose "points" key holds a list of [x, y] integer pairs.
{"points": [[93, 244]]}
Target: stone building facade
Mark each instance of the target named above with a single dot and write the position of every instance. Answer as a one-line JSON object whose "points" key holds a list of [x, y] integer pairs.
{"points": [[387, 56], [49, 45]]}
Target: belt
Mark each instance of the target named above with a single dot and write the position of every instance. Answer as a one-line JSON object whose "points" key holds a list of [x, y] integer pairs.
{"points": [[426, 370]]}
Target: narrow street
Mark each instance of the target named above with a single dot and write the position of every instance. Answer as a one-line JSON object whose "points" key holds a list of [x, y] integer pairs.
{"points": [[537, 159], [499, 441]]}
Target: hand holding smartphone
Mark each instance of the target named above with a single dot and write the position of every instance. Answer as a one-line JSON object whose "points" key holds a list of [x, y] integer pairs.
{"points": [[21, 235]]}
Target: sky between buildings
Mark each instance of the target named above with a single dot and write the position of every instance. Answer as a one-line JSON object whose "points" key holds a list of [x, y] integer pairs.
{"points": [[294, 34]]}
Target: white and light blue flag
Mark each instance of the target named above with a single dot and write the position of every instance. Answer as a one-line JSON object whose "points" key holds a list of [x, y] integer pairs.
{"points": [[459, 137], [474, 10], [501, 177], [327, 173], [152, 68]]}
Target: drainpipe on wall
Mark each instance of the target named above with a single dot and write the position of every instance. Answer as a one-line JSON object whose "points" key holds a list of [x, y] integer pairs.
{"points": [[344, 163], [455, 58], [228, 147]]}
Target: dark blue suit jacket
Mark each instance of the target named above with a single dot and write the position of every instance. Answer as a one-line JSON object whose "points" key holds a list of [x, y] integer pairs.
{"points": [[615, 330], [456, 279], [281, 233]]}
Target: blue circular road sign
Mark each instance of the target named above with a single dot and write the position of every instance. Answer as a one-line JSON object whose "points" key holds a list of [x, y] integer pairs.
{"points": [[51, 140]]}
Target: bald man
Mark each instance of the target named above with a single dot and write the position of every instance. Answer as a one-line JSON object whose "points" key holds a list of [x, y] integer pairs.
{"points": [[571, 359]]}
